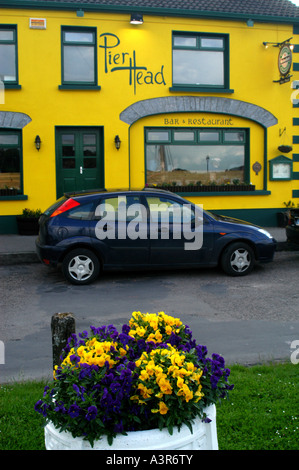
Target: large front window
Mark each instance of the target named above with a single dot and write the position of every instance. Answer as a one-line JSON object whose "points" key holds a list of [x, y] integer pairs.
{"points": [[196, 156], [10, 161], [79, 56], [200, 60]]}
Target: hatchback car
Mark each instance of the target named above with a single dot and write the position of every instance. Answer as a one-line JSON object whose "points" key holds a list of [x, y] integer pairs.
{"points": [[292, 226], [88, 233]]}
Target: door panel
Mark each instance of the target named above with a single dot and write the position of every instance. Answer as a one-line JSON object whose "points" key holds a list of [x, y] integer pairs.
{"points": [[119, 231], [172, 227], [79, 159]]}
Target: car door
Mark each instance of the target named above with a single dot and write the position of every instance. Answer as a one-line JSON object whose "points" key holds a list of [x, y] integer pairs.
{"points": [[119, 231], [176, 232]]}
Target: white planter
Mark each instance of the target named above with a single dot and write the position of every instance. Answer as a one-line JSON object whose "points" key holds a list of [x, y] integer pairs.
{"points": [[204, 437]]}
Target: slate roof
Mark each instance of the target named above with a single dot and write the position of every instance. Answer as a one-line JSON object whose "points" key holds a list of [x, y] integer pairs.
{"points": [[280, 9]]}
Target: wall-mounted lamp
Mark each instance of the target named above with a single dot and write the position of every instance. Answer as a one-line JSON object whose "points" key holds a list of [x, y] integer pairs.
{"points": [[37, 142], [250, 23], [136, 18], [117, 142], [278, 44], [80, 13]]}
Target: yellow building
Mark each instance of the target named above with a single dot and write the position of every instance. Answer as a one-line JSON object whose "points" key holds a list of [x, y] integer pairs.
{"points": [[201, 99]]}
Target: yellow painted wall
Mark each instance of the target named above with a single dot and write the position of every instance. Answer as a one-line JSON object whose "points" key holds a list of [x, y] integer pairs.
{"points": [[252, 71]]}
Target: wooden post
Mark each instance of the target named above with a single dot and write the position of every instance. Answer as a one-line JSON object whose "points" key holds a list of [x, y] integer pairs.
{"points": [[62, 327]]}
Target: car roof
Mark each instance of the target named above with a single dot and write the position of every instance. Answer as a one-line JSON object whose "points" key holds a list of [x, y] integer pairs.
{"points": [[117, 191]]}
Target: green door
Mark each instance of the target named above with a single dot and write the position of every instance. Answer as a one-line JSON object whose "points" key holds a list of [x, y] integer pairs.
{"points": [[79, 159]]}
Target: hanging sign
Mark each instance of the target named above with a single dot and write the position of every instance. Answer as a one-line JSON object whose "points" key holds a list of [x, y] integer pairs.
{"points": [[284, 63], [284, 59]]}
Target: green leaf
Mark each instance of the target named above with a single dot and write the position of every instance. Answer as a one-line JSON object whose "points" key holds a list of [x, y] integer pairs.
{"points": [[189, 426]]}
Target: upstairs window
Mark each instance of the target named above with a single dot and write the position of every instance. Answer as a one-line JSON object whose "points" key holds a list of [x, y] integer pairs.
{"points": [[79, 59], [8, 55], [200, 60]]}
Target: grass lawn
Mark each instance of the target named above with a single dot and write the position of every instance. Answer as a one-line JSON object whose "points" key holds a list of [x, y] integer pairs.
{"points": [[261, 414]]}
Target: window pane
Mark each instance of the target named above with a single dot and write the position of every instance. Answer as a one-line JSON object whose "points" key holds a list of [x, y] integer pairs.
{"points": [[189, 164], [234, 136], [68, 151], [79, 64], [212, 42], [9, 139], [89, 151], [198, 68], [68, 139], [76, 36], [90, 162], [186, 41], [6, 35], [159, 136], [209, 136], [89, 139], [184, 136], [10, 161], [68, 163], [7, 62]]}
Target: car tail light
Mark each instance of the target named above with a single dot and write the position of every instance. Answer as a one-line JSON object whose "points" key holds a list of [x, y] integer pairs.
{"points": [[67, 205]]}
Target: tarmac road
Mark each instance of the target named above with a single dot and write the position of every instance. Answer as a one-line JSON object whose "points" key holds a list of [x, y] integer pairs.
{"points": [[247, 320]]}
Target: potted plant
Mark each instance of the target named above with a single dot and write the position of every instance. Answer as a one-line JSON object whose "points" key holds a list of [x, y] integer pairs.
{"points": [[28, 222], [149, 386], [6, 191], [282, 216]]}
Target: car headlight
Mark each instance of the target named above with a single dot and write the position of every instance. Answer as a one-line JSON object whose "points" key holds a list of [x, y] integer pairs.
{"points": [[264, 232]]}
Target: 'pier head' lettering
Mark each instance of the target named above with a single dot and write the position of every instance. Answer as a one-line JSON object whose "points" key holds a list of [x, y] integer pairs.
{"points": [[116, 61]]}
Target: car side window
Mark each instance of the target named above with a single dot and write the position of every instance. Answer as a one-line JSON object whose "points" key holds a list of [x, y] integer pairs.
{"points": [[163, 209], [121, 208], [81, 212]]}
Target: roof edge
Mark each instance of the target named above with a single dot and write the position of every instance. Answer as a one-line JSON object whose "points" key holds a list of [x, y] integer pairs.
{"points": [[52, 5]]}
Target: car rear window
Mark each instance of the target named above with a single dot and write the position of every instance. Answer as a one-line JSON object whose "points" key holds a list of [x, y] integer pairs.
{"points": [[55, 206]]}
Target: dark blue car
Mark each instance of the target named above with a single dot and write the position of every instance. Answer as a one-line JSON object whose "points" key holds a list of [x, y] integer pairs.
{"points": [[88, 233]]}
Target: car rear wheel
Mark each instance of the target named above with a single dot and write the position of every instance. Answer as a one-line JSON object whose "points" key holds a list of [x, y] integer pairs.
{"points": [[238, 259], [81, 266]]}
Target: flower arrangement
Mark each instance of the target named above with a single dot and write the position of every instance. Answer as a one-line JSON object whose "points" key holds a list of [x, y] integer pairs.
{"points": [[150, 375]]}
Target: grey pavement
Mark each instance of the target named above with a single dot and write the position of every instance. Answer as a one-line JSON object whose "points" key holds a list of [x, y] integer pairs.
{"points": [[24, 356], [16, 249]]}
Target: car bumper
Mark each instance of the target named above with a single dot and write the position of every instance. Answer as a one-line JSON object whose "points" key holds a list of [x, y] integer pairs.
{"points": [[265, 251], [48, 255], [292, 234]]}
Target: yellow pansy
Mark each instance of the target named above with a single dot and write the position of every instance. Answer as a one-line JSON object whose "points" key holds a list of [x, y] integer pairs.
{"points": [[145, 392], [162, 408], [165, 386], [168, 330]]}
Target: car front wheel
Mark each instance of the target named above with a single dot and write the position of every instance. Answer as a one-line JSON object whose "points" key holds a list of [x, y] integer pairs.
{"points": [[81, 266], [238, 259]]}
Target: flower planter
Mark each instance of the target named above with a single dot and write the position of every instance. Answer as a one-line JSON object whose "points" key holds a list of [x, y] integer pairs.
{"points": [[204, 437], [27, 225], [109, 382], [208, 188], [8, 192]]}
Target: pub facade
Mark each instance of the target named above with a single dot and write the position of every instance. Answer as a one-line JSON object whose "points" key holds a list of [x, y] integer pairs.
{"points": [[200, 101]]}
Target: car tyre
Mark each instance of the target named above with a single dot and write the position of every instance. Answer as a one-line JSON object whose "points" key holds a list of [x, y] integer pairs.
{"points": [[81, 266], [238, 259]]}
